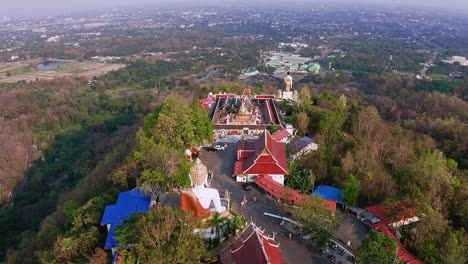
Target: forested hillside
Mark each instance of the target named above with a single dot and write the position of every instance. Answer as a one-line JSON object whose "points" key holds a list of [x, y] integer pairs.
{"points": [[392, 144], [74, 144]]}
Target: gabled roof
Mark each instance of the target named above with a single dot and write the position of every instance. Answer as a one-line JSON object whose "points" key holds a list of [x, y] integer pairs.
{"points": [[384, 213], [268, 113], [278, 136], [268, 157], [329, 193], [301, 144], [252, 246], [128, 202]]}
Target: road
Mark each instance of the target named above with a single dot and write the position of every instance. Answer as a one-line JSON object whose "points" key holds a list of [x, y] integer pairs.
{"points": [[426, 66], [221, 164]]}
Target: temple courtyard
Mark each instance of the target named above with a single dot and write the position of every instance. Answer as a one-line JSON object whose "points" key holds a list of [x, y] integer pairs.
{"points": [[221, 163]]}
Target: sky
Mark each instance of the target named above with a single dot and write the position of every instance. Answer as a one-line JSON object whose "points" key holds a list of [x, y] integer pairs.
{"points": [[14, 8]]}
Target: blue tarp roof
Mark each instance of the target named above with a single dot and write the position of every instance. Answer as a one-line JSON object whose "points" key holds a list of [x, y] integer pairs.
{"points": [[128, 202], [330, 193], [304, 142]]}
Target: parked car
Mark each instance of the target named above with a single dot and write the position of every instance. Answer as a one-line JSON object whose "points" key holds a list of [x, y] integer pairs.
{"points": [[211, 149], [246, 186], [219, 147]]}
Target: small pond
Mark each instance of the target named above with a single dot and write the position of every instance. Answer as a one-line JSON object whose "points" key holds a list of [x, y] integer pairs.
{"points": [[49, 65], [209, 74]]}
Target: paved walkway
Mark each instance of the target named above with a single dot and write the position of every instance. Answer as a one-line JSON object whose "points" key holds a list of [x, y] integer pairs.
{"points": [[351, 230], [221, 163]]}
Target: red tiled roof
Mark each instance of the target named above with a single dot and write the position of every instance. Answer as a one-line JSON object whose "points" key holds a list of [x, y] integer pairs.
{"points": [[245, 149], [265, 146], [238, 168], [206, 100], [206, 103], [264, 97], [383, 212], [252, 246], [267, 113], [247, 91], [267, 183], [265, 159], [278, 136], [264, 168], [274, 188]]}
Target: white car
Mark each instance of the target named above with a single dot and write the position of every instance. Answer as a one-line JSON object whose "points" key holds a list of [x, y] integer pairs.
{"points": [[219, 147]]}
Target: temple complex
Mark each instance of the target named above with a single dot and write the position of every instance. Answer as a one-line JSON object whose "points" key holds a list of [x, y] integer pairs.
{"points": [[244, 114]]}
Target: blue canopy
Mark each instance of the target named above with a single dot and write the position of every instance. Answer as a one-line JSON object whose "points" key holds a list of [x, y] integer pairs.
{"points": [[130, 202], [329, 193]]}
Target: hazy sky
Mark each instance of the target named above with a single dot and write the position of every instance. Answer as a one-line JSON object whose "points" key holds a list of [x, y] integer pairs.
{"points": [[54, 7]]}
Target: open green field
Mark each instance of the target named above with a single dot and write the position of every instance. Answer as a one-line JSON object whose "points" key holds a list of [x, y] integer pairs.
{"points": [[439, 76], [22, 71]]}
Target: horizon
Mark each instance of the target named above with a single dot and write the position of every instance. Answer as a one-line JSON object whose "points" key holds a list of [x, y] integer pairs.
{"points": [[27, 8]]}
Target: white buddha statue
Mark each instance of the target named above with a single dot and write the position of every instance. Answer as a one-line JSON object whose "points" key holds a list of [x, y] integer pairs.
{"points": [[199, 177]]}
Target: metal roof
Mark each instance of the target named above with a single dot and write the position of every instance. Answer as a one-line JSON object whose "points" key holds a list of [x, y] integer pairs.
{"points": [[134, 201], [301, 144], [329, 193]]}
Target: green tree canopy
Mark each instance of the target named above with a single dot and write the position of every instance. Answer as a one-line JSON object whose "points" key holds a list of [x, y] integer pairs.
{"points": [[351, 190], [163, 235], [377, 248], [178, 124], [319, 222]]}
